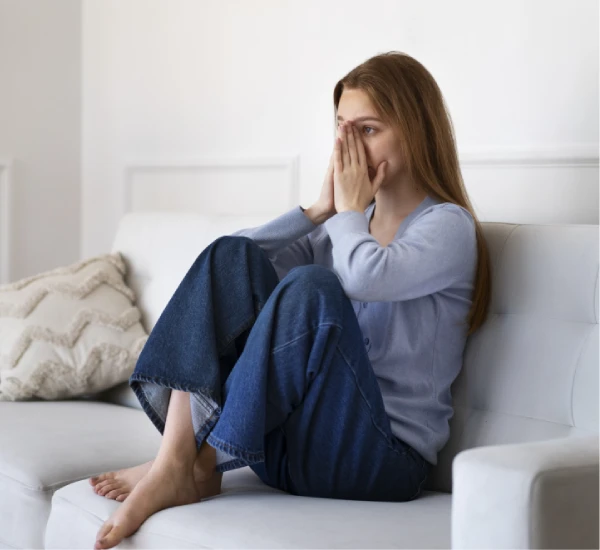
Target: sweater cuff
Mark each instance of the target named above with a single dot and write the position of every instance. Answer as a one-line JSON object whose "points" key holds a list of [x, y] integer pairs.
{"points": [[343, 223], [298, 216]]}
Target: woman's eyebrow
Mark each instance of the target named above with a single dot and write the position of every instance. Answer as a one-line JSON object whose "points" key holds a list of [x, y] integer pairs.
{"points": [[362, 118]]}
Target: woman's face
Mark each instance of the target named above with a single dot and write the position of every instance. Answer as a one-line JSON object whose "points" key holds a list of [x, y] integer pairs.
{"points": [[379, 139]]}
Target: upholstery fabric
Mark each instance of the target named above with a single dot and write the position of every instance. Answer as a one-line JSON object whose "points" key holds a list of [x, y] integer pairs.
{"points": [[68, 331], [526, 411], [45, 445], [250, 514], [530, 372]]}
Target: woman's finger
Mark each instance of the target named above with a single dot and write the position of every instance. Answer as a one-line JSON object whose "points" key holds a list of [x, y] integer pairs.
{"points": [[352, 146], [360, 150], [345, 153], [331, 161], [337, 152]]}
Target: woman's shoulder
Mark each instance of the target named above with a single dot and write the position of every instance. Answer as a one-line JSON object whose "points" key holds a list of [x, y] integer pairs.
{"points": [[448, 219], [448, 210]]}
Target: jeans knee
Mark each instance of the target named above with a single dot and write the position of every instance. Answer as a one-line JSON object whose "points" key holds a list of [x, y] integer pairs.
{"points": [[315, 277], [227, 246], [310, 295], [231, 241]]}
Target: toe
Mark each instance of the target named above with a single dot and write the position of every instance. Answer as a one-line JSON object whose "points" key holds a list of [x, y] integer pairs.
{"points": [[104, 483], [114, 493], [100, 537], [112, 538], [122, 497], [107, 488], [97, 479], [100, 484], [103, 477]]}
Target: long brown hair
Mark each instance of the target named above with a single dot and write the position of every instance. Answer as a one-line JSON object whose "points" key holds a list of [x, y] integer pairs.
{"points": [[406, 95]]}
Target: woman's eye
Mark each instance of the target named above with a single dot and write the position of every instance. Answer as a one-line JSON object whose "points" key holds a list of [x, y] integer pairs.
{"points": [[364, 128]]}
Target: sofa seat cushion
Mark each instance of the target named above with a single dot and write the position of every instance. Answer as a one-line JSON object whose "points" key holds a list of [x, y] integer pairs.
{"points": [[250, 514], [45, 445]]}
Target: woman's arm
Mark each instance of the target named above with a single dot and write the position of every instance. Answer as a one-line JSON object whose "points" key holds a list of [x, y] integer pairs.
{"points": [[437, 250], [285, 239]]}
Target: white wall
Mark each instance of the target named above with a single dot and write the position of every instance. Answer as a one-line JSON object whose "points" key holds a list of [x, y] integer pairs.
{"points": [[215, 106], [40, 124], [197, 82]]}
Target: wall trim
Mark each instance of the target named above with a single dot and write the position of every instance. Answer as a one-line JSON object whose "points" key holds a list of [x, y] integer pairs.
{"points": [[135, 166], [5, 219], [559, 157], [583, 157]]}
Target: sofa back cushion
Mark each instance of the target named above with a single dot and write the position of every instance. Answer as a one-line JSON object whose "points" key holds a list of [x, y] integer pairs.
{"points": [[530, 372], [158, 249]]}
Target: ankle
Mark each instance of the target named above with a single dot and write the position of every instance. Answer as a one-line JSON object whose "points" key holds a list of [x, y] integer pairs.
{"points": [[207, 455], [206, 461], [173, 461]]}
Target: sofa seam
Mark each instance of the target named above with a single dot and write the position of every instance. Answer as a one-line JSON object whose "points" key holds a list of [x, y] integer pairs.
{"points": [[594, 295], [29, 487], [470, 408], [50, 488], [501, 251], [576, 369]]}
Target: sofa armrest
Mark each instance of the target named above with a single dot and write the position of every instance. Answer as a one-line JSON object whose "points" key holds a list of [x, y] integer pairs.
{"points": [[541, 494]]}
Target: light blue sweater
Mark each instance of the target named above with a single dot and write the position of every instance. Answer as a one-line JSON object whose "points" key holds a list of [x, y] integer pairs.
{"points": [[409, 298]]}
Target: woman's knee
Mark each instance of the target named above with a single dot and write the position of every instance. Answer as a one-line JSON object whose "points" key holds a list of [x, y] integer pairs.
{"points": [[228, 246], [232, 241], [314, 277]]}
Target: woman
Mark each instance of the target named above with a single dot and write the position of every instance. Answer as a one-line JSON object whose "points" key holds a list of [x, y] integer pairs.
{"points": [[319, 349]]}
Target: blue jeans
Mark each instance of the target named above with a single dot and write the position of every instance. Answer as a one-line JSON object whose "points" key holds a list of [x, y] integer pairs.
{"points": [[279, 378]]}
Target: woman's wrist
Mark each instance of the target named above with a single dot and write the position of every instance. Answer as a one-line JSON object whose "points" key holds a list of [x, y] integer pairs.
{"points": [[316, 215]]}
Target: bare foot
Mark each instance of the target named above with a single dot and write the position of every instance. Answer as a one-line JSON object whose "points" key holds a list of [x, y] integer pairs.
{"points": [[117, 485], [165, 485]]}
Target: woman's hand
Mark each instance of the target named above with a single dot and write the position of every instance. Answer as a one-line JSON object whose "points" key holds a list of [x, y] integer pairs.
{"points": [[353, 190], [324, 208], [325, 202]]}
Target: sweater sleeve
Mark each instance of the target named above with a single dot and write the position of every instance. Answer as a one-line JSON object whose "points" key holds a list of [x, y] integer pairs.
{"points": [[436, 251], [284, 239]]}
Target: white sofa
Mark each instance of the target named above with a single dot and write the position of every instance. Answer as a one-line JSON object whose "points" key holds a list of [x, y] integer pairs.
{"points": [[520, 469]]}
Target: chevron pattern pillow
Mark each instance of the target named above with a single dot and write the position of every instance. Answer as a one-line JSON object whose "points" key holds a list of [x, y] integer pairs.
{"points": [[69, 332]]}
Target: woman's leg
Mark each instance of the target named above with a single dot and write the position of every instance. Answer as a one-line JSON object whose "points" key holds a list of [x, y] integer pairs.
{"points": [[200, 334], [303, 405], [170, 480], [196, 342], [307, 328], [178, 444]]}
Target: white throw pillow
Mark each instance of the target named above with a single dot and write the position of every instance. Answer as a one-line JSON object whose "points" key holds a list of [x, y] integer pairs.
{"points": [[68, 332]]}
